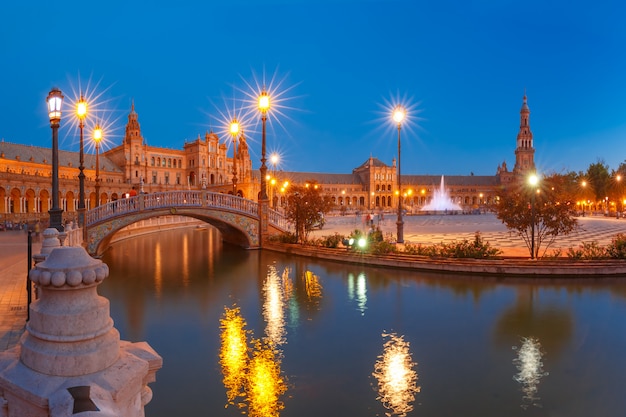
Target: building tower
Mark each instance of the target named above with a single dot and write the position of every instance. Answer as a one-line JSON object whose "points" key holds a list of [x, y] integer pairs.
{"points": [[134, 150], [525, 152]]}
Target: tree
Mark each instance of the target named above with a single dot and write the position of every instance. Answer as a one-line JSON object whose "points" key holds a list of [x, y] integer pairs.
{"points": [[306, 207], [599, 179], [553, 211]]}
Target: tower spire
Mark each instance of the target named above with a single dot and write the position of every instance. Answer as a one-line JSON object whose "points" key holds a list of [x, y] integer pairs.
{"points": [[525, 151]]}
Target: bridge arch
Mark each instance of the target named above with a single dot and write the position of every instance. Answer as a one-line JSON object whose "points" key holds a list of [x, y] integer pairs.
{"points": [[235, 217]]}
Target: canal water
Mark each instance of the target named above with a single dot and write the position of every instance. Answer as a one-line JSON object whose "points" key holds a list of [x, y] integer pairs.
{"points": [[266, 334]]}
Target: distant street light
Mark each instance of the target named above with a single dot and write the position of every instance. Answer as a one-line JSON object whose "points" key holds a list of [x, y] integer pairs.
{"points": [[81, 113], [55, 100], [584, 185], [97, 137], [533, 180], [399, 114], [234, 130]]}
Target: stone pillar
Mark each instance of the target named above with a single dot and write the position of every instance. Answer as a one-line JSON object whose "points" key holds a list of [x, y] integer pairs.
{"points": [[70, 359]]}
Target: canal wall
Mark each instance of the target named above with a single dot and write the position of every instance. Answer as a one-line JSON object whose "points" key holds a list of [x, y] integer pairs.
{"points": [[505, 267]]}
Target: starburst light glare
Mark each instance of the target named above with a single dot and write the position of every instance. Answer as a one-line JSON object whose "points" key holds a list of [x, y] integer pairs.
{"points": [[234, 127], [264, 101], [398, 114]]}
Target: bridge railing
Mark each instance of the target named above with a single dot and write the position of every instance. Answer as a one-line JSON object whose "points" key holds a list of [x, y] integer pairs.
{"points": [[178, 199]]}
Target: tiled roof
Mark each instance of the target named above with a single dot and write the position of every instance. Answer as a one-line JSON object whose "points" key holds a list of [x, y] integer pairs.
{"points": [[375, 162], [38, 155], [321, 178], [451, 180]]}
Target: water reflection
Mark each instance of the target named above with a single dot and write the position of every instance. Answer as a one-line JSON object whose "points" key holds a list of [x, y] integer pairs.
{"points": [[265, 384], [397, 380], [233, 353], [313, 288], [251, 374], [275, 291], [357, 291], [529, 363]]}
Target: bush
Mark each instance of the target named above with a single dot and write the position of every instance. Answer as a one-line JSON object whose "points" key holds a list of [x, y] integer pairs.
{"points": [[477, 248], [617, 248], [419, 249], [383, 247], [286, 237], [332, 241], [588, 250]]}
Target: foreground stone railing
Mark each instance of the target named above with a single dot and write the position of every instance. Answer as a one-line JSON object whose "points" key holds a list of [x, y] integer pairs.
{"points": [[70, 359]]}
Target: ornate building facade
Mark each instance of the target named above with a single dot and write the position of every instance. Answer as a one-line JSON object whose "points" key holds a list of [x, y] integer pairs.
{"points": [[133, 166]]}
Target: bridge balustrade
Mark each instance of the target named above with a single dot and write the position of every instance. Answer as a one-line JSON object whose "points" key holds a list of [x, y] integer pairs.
{"points": [[177, 199]]}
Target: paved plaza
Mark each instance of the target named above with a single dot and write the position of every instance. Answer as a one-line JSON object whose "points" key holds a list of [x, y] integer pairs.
{"points": [[432, 229], [417, 229]]}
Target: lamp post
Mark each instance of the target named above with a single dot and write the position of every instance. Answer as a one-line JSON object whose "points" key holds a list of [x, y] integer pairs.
{"points": [[97, 137], [398, 116], [55, 100], [81, 113], [264, 106], [618, 178], [533, 180], [274, 158], [234, 130], [584, 185]]}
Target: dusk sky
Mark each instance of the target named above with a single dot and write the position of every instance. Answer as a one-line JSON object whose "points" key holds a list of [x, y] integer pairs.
{"points": [[336, 67]]}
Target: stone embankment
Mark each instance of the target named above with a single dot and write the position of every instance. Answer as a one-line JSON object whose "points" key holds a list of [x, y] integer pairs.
{"points": [[501, 266]]}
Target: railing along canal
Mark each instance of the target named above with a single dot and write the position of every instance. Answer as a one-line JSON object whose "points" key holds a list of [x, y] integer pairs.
{"points": [[179, 199]]}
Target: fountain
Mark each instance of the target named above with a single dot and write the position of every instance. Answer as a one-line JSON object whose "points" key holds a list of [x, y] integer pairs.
{"points": [[441, 201]]}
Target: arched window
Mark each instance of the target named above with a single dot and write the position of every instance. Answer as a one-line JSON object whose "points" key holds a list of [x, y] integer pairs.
{"points": [[152, 161]]}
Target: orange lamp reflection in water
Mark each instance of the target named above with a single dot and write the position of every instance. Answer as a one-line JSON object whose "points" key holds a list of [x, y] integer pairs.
{"points": [[529, 363], [233, 353], [251, 374], [313, 287], [265, 384], [396, 376]]}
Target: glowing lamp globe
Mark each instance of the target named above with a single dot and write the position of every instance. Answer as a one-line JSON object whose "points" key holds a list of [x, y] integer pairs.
{"points": [[54, 100]]}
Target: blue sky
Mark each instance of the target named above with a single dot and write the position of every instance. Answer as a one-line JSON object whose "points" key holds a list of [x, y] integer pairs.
{"points": [[461, 66]]}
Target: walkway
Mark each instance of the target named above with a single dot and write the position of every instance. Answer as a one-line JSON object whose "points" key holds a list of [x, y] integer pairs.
{"points": [[13, 294], [417, 229]]}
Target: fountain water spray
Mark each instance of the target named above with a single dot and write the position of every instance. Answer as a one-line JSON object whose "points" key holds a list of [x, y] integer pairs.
{"points": [[441, 201]]}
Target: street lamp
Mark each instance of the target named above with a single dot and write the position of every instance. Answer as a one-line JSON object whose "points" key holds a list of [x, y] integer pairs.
{"points": [[81, 113], [274, 158], [399, 114], [264, 106], [55, 100], [618, 178], [97, 137], [533, 180], [584, 184], [234, 130]]}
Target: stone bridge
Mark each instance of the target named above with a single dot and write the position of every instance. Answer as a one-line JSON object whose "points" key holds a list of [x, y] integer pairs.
{"points": [[237, 218]]}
